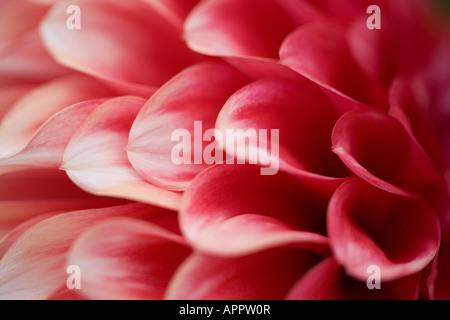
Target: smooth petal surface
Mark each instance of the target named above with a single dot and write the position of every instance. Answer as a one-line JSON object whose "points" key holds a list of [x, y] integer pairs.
{"points": [[266, 275], [24, 118], [237, 28], [126, 258], [233, 210], [301, 113], [42, 250], [319, 51], [368, 226], [96, 161], [27, 194], [328, 281], [196, 94], [138, 46], [378, 148]]}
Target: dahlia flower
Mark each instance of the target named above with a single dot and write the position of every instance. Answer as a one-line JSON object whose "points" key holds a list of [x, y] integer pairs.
{"points": [[224, 149]]}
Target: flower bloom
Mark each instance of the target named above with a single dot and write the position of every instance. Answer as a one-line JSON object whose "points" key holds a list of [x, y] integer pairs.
{"points": [[87, 179]]}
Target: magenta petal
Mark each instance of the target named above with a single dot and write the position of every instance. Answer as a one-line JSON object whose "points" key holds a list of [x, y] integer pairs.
{"points": [[138, 46], [237, 28], [328, 281], [233, 210], [96, 161], [196, 94], [127, 259], [320, 52], [377, 148], [27, 194], [368, 226], [266, 275]]}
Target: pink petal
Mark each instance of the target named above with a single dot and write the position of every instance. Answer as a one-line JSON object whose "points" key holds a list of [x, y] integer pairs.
{"points": [[377, 148], [319, 51], [27, 194], [127, 259], [35, 265], [141, 47], [266, 275], [253, 28], [298, 110], [328, 281], [233, 210], [46, 148], [196, 94], [96, 161], [368, 226], [24, 118]]}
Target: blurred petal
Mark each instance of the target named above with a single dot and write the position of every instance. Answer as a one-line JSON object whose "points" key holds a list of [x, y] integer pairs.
{"points": [[42, 250], [319, 51], [142, 47], [252, 28], [233, 210], [364, 224], [46, 148], [377, 148], [24, 118], [127, 259], [408, 103], [96, 161], [266, 275], [18, 17], [174, 11], [26, 61], [328, 281], [196, 94], [29, 193], [298, 110]]}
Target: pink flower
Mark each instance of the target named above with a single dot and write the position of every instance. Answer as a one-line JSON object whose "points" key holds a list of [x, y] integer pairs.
{"points": [[87, 177]]}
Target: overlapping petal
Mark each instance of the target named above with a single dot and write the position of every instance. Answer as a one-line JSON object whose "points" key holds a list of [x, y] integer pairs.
{"points": [[368, 226], [237, 28], [196, 94], [126, 258], [27, 194], [140, 49], [320, 52], [233, 210], [47, 147], [42, 250], [376, 147], [266, 275], [95, 158], [328, 281], [300, 113], [22, 120]]}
